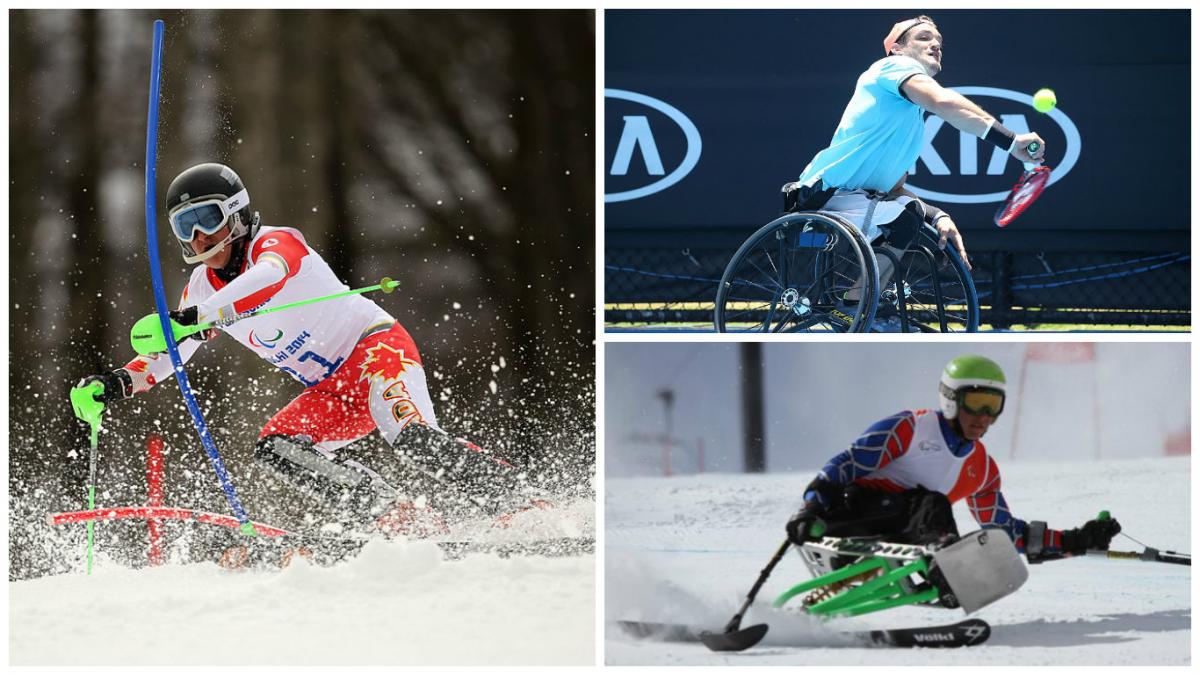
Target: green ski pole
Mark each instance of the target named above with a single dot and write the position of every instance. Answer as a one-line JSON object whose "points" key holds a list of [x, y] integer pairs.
{"points": [[88, 409], [147, 337]]}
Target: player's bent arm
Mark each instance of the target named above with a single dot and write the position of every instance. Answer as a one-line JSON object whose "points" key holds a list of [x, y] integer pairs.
{"points": [[878, 446], [932, 213], [274, 259], [264, 278], [1032, 538], [148, 370], [947, 104]]}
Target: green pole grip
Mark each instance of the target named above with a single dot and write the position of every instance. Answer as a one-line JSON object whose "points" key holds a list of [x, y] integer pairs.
{"points": [[817, 528], [87, 408]]}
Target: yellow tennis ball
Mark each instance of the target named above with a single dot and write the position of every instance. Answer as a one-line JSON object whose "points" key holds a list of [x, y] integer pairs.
{"points": [[1044, 100]]}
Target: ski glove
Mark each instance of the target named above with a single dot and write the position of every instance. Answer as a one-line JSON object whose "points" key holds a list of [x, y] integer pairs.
{"points": [[117, 385], [88, 399], [188, 316], [819, 496], [806, 525], [1094, 535]]}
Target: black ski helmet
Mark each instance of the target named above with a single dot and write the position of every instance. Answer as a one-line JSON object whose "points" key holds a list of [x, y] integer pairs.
{"points": [[206, 197]]}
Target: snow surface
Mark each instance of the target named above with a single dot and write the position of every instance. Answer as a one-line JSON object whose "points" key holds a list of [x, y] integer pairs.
{"points": [[397, 603], [687, 550]]}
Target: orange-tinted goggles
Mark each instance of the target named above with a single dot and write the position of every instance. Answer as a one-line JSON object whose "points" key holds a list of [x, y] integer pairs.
{"points": [[982, 402]]}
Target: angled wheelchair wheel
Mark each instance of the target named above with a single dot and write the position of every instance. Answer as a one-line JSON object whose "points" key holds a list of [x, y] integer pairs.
{"points": [[803, 272], [933, 291]]}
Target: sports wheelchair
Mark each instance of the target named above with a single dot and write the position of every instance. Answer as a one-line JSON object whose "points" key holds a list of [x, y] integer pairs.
{"points": [[813, 271]]}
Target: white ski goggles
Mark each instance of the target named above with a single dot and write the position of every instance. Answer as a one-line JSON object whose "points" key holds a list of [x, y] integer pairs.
{"points": [[207, 216]]}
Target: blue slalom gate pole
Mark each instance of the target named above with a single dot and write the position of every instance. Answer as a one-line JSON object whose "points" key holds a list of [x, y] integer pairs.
{"points": [[160, 296]]}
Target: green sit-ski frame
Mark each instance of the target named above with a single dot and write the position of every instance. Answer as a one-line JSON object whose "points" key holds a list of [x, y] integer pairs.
{"points": [[890, 589]]}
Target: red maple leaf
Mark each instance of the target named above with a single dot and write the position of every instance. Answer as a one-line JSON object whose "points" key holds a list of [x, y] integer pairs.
{"points": [[385, 362]]}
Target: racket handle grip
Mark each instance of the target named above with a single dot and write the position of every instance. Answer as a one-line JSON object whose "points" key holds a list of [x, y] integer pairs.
{"points": [[1033, 147]]}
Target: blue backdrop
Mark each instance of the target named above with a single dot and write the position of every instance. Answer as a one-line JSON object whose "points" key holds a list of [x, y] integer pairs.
{"points": [[756, 93]]}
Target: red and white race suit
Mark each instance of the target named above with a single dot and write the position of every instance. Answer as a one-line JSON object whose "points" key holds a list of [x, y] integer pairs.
{"points": [[360, 368]]}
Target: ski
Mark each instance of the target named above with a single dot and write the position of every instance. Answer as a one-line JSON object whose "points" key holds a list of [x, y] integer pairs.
{"points": [[275, 544], [962, 634], [267, 554], [559, 547], [328, 551]]}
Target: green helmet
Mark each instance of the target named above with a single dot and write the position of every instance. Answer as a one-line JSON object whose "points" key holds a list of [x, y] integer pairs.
{"points": [[965, 373]]}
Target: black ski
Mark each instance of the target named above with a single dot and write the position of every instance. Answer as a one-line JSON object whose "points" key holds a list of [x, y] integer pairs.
{"points": [[961, 634]]}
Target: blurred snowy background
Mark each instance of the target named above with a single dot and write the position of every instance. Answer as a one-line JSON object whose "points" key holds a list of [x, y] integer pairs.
{"points": [[1067, 401]]}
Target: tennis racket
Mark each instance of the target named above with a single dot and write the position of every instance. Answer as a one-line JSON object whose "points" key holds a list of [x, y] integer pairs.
{"points": [[1027, 189]]}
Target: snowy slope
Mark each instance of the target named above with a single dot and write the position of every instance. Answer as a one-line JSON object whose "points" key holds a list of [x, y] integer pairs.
{"points": [[688, 549], [396, 603]]}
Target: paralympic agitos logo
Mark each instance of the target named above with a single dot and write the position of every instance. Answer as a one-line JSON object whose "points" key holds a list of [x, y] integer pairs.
{"points": [[971, 171], [654, 145]]}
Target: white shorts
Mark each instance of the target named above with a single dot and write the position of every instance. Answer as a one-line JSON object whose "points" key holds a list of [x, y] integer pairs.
{"points": [[853, 205]]}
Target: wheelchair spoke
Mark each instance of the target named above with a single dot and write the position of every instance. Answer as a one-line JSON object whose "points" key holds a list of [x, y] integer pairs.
{"points": [[935, 299], [793, 275]]}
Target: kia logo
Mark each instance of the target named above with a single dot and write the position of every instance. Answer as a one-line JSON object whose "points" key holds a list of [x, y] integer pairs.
{"points": [[979, 157], [638, 137]]}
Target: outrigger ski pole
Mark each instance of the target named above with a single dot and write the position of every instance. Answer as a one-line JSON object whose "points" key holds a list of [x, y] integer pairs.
{"points": [[1148, 553], [147, 334], [734, 638]]}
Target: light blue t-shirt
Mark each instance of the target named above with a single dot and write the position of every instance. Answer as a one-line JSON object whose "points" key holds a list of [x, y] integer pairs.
{"points": [[879, 136]]}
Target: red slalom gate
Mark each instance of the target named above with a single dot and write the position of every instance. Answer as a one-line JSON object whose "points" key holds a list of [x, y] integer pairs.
{"points": [[154, 513], [154, 490], [160, 513]]}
